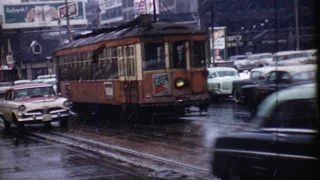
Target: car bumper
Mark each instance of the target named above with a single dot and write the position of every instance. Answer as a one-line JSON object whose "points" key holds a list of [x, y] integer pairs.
{"points": [[221, 92], [43, 118]]}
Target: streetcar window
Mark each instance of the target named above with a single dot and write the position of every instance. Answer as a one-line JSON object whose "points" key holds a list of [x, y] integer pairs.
{"points": [[179, 55], [198, 54], [154, 56]]}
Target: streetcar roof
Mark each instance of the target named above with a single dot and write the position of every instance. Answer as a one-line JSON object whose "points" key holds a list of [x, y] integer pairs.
{"points": [[154, 28]]}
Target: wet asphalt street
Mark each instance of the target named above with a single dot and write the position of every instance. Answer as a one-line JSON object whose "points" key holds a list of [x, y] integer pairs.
{"points": [[34, 159], [187, 141]]}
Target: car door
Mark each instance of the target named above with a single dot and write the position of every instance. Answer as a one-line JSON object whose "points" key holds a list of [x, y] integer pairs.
{"points": [[261, 161], [275, 80], [298, 139], [212, 81]]}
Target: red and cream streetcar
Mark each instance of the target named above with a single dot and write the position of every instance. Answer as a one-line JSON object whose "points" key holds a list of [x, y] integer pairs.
{"points": [[141, 66]]}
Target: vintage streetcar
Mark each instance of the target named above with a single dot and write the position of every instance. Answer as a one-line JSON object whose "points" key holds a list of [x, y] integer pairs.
{"points": [[141, 66]]}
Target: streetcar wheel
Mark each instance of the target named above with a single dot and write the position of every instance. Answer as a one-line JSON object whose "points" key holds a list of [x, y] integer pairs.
{"points": [[237, 95]]}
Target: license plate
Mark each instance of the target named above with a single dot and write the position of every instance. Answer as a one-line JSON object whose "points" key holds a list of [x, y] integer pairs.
{"points": [[46, 117]]}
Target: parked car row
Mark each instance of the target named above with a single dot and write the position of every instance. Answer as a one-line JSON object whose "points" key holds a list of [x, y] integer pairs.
{"points": [[283, 58], [266, 80], [250, 91]]}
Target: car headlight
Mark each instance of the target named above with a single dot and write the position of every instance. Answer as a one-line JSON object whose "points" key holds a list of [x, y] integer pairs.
{"points": [[180, 83], [67, 103], [21, 108]]}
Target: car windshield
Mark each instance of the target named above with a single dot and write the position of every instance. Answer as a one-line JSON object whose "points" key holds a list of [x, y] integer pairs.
{"points": [[34, 92], [226, 73]]}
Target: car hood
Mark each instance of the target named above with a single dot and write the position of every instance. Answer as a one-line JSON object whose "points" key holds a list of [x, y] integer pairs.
{"points": [[3, 89], [37, 99]]}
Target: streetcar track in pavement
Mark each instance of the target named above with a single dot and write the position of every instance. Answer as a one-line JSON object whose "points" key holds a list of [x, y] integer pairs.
{"points": [[127, 155], [120, 153]]}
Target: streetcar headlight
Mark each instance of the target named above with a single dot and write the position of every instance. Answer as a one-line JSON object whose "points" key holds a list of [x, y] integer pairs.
{"points": [[180, 83], [21, 108]]}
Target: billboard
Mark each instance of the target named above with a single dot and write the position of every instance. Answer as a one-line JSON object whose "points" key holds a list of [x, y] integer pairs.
{"points": [[111, 11], [45, 14], [146, 6], [218, 44]]}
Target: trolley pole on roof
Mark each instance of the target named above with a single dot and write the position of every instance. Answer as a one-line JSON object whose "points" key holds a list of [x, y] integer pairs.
{"points": [[68, 21], [154, 11], [296, 9]]}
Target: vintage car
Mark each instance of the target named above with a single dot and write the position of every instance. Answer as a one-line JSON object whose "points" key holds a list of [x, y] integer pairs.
{"points": [[52, 81], [260, 60], [241, 63], [237, 57], [220, 80], [33, 103], [257, 76], [312, 54], [279, 78], [22, 81], [285, 58], [4, 86], [282, 141]]}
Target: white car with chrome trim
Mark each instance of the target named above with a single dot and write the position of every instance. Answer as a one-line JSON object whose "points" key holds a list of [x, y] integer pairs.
{"points": [[33, 103], [220, 80]]}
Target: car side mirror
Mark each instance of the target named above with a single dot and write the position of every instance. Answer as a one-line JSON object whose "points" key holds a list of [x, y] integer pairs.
{"points": [[261, 78]]}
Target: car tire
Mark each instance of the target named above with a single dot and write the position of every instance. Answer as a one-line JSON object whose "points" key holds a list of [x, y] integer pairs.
{"points": [[237, 95], [64, 122]]}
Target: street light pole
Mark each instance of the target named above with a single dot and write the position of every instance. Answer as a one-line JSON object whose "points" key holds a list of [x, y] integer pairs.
{"points": [[297, 24], [59, 26], [68, 20]]}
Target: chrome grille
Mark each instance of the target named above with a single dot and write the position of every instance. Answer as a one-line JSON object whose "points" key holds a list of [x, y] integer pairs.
{"points": [[226, 85], [34, 112], [53, 109]]}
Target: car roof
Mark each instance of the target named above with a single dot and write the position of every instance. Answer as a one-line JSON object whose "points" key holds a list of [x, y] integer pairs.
{"points": [[261, 54], [215, 69], [238, 56], [304, 91], [290, 69], [30, 85], [282, 53]]}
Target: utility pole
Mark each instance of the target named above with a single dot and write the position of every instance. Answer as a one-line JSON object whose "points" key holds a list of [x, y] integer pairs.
{"points": [[212, 33], [59, 26], [297, 24], [68, 21]]}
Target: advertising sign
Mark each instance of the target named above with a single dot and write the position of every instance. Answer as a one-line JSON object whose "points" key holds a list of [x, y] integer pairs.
{"points": [[108, 89], [161, 84], [72, 9], [146, 6], [108, 4], [44, 14], [218, 44]]}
